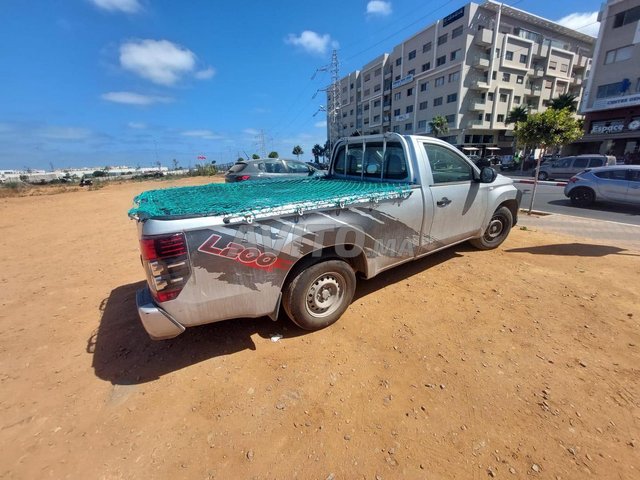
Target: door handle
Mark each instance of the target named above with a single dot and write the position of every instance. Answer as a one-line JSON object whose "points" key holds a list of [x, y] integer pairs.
{"points": [[443, 202]]}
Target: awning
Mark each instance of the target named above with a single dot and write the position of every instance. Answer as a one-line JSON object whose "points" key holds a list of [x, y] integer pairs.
{"points": [[492, 148], [470, 148]]}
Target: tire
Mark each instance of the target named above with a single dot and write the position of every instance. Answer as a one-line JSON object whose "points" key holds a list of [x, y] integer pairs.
{"points": [[318, 295], [497, 231], [582, 197], [543, 176]]}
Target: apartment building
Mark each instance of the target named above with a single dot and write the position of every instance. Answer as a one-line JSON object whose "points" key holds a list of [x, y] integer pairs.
{"points": [[612, 97], [471, 67]]}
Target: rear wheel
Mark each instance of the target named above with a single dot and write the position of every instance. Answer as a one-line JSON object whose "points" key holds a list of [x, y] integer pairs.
{"points": [[318, 295], [497, 231], [582, 197]]}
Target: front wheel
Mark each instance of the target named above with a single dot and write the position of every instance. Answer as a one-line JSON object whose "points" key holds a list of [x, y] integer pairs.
{"points": [[497, 231], [543, 176], [582, 197], [318, 295]]}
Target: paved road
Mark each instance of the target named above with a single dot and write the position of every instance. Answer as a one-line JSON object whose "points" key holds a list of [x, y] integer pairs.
{"points": [[551, 199]]}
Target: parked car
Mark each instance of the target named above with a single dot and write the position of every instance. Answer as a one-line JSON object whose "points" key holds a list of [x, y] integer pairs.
{"points": [[620, 184], [319, 165], [566, 167], [508, 164], [268, 169]]}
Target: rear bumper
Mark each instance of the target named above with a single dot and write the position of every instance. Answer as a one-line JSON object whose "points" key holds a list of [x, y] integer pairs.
{"points": [[158, 324]]}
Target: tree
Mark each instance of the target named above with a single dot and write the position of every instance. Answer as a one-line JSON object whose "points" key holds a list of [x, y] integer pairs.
{"points": [[327, 150], [175, 164], [439, 125], [240, 159], [317, 152], [551, 128], [255, 156], [274, 155], [564, 100], [297, 151]]}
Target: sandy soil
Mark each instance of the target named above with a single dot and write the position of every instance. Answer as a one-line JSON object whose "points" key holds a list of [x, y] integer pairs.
{"points": [[523, 362]]}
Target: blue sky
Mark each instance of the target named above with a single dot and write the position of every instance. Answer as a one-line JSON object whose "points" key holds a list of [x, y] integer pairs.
{"points": [[113, 82]]}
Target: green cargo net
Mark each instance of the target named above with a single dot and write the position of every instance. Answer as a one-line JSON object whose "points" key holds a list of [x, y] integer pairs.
{"points": [[248, 201]]}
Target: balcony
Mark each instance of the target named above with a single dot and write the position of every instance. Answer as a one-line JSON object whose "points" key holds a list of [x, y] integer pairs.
{"points": [[475, 123], [483, 37], [537, 72], [533, 90], [477, 105], [481, 61], [576, 80], [481, 84]]}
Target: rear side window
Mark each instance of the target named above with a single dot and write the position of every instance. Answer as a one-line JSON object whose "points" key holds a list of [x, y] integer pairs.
{"points": [[238, 167], [295, 167], [613, 174], [274, 166], [595, 162], [563, 162], [581, 163]]}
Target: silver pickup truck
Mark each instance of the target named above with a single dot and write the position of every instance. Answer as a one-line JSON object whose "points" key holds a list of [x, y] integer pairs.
{"points": [[223, 251]]}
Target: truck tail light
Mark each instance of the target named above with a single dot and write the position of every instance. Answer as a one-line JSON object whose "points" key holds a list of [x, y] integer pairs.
{"points": [[166, 262]]}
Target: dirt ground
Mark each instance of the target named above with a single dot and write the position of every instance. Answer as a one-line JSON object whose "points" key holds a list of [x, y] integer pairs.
{"points": [[523, 362]]}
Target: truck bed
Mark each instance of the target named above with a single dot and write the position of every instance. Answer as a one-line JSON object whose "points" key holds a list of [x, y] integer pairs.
{"points": [[246, 201]]}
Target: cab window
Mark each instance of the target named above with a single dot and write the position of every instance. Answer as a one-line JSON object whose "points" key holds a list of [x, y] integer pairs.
{"points": [[446, 165]]}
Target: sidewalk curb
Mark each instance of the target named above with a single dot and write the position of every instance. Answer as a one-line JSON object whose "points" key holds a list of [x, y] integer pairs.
{"points": [[540, 182]]}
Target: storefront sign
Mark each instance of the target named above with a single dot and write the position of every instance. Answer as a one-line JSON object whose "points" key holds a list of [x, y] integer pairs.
{"points": [[452, 17], [614, 126], [402, 81], [617, 102]]}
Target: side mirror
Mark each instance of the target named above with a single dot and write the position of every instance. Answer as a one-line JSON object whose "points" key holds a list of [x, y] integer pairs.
{"points": [[487, 175]]}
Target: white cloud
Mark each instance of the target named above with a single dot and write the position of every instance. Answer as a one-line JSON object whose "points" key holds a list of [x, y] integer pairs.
{"points": [[583, 22], [205, 74], [127, 6], [311, 42], [137, 125], [322, 124], [378, 7], [204, 134], [250, 131], [131, 98], [64, 133], [160, 61]]}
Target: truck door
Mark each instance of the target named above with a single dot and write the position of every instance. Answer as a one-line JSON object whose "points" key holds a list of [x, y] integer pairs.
{"points": [[459, 202]]}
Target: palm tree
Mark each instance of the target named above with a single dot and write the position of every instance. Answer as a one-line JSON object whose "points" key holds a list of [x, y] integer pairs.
{"points": [[564, 100], [297, 150], [439, 125], [517, 114], [316, 151]]}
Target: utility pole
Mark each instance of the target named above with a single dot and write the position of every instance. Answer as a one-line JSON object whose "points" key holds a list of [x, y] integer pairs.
{"points": [[334, 99], [261, 144]]}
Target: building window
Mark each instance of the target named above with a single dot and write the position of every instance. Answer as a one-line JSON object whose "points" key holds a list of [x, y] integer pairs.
{"points": [[423, 105], [367, 77], [426, 47], [454, 77], [377, 72], [516, 100], [618, 55], [456, 32], [398, 61], [626, 17], [396, 112], [503, 97], [422, 124], [548, 84], [450, 118], [523, 59], [376, 103], [412, 54], [520, 79], [490, 96], [497, 53], [409, 92], [409, 109], [564, 67], [408, 127], [508, 55], [501, 118], [452, 98], [553, 65], [426, 66], [366, 107], [455, 55], [424, 86], [437, 102], [441, 60], [494, 75], [439, 81], [611, 90], [376, 88], [396, 128], [487, 117], [411, 72], [506, 77], [376, 118], [442, 39], [367, 92]]}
